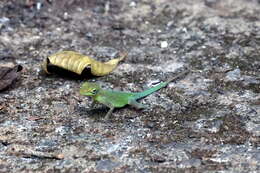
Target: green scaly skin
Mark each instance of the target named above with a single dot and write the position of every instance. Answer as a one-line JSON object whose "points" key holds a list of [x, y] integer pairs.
{"points": [[118, 99]]}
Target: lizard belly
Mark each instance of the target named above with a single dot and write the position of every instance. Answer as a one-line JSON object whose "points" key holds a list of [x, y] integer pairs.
{"points": [[112, 99]]}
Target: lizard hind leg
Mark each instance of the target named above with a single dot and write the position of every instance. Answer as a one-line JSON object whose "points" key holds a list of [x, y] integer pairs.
{"points": [[137, 105]]}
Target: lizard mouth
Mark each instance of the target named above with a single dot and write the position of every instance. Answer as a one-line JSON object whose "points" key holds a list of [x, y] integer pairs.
{"points": [[85, 93]]}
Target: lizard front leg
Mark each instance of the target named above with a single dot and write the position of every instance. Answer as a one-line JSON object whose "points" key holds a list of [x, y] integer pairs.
{"points": [[107, 101], [93, 104], [109, 112]]}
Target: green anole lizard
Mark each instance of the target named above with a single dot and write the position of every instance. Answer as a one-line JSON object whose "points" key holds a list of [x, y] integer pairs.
{"points": [[118, 99]]}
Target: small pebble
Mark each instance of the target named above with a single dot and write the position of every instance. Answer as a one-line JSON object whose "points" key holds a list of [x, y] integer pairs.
{"points": [[164, 44]]}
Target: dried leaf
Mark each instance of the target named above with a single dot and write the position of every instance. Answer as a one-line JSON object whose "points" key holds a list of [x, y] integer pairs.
{"points": [[9, 75], [76, 62]]}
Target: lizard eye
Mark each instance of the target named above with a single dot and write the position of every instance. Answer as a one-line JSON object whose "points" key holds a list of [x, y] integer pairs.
{"points": [[94, 91]]}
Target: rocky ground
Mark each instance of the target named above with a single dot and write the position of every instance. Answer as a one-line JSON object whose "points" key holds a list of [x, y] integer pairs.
{"points": [[208, 120]]}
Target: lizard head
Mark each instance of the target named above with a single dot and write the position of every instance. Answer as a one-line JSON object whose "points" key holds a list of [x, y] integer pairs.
{"points": [[89, 89]]}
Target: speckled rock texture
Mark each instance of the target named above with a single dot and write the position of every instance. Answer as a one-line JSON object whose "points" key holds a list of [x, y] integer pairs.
{"points": [[208, 120]]}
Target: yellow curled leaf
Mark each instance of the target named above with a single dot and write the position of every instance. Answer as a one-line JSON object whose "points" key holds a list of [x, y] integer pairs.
{"points": [[76, 62]]}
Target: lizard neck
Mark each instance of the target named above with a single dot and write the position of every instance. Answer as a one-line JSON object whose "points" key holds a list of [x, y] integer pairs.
{"points": [[97, 96]]}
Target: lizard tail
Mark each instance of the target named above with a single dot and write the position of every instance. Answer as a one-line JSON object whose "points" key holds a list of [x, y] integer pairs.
{"points": [[159, 86], [149, 91], [178, 76]]}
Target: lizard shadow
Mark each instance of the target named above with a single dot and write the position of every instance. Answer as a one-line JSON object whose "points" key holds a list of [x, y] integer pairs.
{"points": [[98, 113]]}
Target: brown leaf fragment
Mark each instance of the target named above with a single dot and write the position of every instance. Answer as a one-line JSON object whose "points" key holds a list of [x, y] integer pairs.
{"points": [[2, 107], [33, 118], [9, 75], [30, 152]]}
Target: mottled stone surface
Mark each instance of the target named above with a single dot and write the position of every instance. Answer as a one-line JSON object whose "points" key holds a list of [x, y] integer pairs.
{"points": [[206, 121]]}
